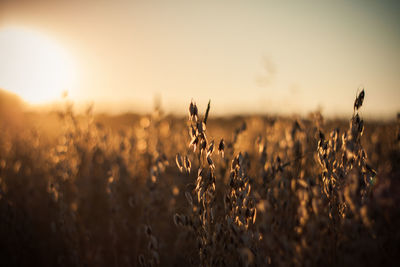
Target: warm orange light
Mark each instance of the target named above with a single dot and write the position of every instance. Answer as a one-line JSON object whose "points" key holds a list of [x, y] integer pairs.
{"points": [[34, 66]]}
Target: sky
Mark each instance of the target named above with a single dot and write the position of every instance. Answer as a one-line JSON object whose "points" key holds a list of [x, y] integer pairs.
{"points": [[246, 56]]}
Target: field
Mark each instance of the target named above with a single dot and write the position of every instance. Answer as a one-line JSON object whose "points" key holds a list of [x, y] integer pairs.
{"points": [[159, 190]]}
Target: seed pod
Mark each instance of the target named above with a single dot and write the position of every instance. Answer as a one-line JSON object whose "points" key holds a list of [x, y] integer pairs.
{"points": [[221, 147], [192, 132], [210, 162], [191, 109], [201, 127], [179, 162], [187, 164], [203, 145], [189, 198], [359, 100], [200, 172], [193, 113], [240, 159], [194, 142], [361, 127], [153, 242], [210, 148], [321, 136], [141, 260], [177, 219], [207, 111], [199, 194], [248, 189], [234, 163], [254, 215]]}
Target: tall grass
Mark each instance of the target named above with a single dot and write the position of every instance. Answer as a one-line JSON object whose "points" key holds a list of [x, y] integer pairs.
{"points": [[164, 191]]}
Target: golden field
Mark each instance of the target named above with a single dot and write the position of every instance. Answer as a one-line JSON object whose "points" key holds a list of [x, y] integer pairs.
{"points": [[159, 190]]}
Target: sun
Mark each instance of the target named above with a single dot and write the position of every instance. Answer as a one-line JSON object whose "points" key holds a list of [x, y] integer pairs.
{"points": [[34, 66]]}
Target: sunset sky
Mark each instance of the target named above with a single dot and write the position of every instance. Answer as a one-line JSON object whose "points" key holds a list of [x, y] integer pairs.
{"points": [[246, 56]]}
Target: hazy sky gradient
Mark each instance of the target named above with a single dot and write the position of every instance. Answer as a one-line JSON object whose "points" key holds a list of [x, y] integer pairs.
{"points": [[247, 56]]}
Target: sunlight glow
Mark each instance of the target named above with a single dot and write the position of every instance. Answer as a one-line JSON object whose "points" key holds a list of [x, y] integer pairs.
{"points": [[34, 66]]}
